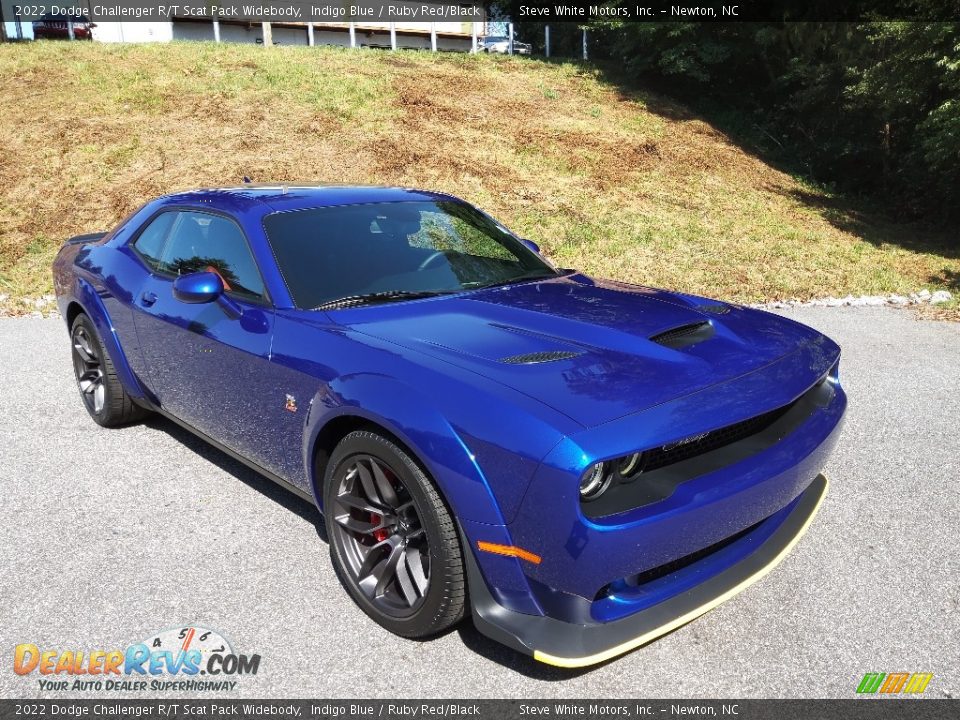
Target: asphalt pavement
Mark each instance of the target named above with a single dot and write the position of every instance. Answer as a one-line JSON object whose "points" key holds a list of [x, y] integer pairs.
{"points": [[109, 536]]}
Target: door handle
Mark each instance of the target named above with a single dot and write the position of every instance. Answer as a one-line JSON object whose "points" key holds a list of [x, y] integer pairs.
{"points": [[148, 298]]}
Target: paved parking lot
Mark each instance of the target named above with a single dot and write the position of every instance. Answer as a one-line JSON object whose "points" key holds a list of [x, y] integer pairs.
{"points": [[107, 537]]}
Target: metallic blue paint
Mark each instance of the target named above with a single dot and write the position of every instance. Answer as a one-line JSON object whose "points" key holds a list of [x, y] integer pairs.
{"points": [[531, 245], [199, 287], [505, 443]]}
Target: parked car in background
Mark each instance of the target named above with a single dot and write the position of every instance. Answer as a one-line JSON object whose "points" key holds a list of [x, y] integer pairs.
{"points": [[497, 44], [55, 27]]}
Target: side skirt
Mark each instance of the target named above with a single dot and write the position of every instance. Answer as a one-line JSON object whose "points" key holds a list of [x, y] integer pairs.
{"points": [[285, 484]]}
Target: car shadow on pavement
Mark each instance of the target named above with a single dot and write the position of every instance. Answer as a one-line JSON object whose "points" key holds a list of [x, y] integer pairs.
{"points": [[283, 497]]}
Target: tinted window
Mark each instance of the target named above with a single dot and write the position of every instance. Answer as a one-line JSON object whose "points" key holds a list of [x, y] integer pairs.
{"points": [[150, 242], [402, 247], [200, 242]]}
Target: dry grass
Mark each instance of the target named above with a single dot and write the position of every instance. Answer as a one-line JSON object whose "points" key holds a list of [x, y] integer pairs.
{"points": [[619, 184]]}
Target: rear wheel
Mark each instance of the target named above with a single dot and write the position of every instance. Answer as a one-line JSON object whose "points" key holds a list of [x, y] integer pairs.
{"points": [[101, 390], [392, 539]]}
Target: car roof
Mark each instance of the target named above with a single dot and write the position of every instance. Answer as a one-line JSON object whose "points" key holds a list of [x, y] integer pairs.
{"points": [[281, 197]]}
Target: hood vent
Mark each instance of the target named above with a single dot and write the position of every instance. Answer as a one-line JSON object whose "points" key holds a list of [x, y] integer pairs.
{"points": [[715, 308], [544, 356], [684, 335]]}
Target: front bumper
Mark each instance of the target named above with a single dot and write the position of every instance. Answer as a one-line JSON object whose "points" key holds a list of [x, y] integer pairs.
{"points": [[567, 644]]}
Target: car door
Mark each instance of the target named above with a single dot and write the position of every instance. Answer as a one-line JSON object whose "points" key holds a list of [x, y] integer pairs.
{"points": [[206, 362]]}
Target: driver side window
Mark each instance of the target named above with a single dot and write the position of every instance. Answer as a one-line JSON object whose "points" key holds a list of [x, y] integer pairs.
{"points": [[201, 242]]}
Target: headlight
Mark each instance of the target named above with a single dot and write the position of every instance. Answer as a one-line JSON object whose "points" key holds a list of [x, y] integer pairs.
{"points": [[629, 467], [598, 478], [595, 481]]}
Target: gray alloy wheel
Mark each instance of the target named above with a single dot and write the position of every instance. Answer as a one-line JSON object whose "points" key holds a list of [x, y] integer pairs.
{"points": [[101, 390], [86, 364], [393, 542], [385, 545]]}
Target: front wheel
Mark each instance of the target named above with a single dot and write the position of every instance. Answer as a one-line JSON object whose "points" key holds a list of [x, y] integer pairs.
{"points": [[392, 540], [101, 390]]}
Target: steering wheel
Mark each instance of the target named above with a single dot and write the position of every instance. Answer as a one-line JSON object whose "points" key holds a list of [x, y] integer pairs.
{"points": [[431, 260]]}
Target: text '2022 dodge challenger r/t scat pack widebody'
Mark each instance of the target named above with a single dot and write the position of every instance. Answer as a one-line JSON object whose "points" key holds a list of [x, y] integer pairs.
{"points": [[581, 465]]}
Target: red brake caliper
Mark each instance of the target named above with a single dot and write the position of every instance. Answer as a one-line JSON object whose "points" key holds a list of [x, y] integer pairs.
{"points": [[381, 534]]}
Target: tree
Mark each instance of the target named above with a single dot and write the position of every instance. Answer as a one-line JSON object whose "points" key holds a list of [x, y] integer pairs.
{"points": [[871, 107]]}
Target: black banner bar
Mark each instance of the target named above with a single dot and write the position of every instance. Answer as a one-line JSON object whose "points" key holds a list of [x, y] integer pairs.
{"points": [[173, 708], [586, 12], [579, 12]]}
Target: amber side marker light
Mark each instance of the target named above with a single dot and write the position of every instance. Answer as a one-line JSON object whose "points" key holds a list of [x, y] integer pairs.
{"points": [[509, 551]]}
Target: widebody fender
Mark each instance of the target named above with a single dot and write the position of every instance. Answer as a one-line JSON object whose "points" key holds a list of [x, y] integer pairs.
{"points": [[441, 448], [406, 414], [86, 295]]}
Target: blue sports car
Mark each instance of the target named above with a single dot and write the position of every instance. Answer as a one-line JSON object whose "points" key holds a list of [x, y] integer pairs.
{"points": [[581, 465]]}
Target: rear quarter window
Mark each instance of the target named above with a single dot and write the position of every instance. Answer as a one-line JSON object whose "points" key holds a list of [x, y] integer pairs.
{"points": [[149, 244]]}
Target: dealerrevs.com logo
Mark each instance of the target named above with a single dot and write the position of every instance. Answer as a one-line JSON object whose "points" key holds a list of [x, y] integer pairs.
{"points": [[186, 659]]}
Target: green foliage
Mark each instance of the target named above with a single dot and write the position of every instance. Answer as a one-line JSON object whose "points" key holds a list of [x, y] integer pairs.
{"points": [[870, 108]]}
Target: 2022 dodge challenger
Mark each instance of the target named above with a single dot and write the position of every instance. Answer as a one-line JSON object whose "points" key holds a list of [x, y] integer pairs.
{"points": [[581, 465]]}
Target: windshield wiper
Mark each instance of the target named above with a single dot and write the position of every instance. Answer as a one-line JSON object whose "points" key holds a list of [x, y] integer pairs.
{"points": [[535, 275], [380, 297]]}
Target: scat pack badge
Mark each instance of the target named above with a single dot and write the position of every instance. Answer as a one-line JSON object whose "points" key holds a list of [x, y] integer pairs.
{"points": [[184, 659]]}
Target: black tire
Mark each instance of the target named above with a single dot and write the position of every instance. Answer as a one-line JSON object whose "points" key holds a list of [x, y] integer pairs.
{"points": [[370, 543], [100, 389]]}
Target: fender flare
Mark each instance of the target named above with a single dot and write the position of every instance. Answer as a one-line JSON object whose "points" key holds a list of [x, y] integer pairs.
{"points": [[424, 430], [87, 297]]}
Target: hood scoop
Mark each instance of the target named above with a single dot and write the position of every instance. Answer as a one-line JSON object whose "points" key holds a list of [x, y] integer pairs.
{"points": [[523, 337], [536, 358], [684, 335]]}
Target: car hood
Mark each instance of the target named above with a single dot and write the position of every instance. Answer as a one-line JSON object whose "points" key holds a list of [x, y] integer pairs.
{"points": [[584, 347]]}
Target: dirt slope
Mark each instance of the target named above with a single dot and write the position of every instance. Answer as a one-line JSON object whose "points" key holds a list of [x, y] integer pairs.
{"points": [[615, 182]]}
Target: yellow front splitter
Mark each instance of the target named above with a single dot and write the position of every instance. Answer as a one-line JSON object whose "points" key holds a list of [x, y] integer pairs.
{"points": [[564, 644], [817, 491]]}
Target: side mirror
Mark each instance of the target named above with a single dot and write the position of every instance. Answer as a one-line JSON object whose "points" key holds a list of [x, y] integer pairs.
{"points": [[531, 245], [198, 287]]}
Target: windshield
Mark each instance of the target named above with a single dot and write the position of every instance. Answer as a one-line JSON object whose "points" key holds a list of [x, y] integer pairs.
{"points": [[399, 250]]}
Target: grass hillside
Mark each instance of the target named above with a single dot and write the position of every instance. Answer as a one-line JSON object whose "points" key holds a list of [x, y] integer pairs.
{"points": [[616, 182]]}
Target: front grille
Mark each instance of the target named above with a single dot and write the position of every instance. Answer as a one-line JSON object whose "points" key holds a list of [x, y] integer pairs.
{"points": [[680, 563], [667, 455], [684, 335], [540, 357], [673, 566], [666, 467]]}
